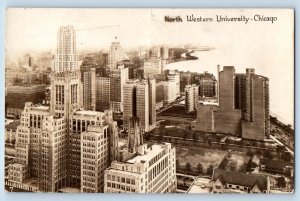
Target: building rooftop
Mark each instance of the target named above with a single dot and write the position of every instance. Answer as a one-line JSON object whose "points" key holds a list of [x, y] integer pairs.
{"points": [[150, 153], [18, 165], [122, 171], [200, 185], [12, 125], [275, 164], [41, 107], [241, 179], [87, 112]]}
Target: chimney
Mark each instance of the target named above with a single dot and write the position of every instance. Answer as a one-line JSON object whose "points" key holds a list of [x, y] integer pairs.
{"points": [[218, 84]]}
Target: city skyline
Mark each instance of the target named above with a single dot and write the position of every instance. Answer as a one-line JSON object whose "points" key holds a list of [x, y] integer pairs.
{"points": [[165, 119]]}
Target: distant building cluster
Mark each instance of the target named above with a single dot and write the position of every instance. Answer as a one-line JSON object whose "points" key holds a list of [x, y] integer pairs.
{"points": [[243, 108], [72, 142], [104, 122]]}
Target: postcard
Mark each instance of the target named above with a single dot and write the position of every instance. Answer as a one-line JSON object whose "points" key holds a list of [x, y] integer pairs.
{"points": [[112, 100]]}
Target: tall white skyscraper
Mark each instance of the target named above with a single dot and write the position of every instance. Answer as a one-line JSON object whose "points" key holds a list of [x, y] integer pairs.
{"points": [[191, 97], [65, 75], [115, 55]]}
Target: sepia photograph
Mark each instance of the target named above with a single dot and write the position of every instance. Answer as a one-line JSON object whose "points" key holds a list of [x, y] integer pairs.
{"points": [[149, 100]]}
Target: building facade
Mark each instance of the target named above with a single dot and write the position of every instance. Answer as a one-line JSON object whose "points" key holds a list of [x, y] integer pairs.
{"points": [[18, 95], [115, 55], [94, 145], [207, 85], [243, 108], [102, 93], [191, 97], [88, 77], [152, 67], [175, 78], [48, 139], [153, 170], [118, 78], [139, 101]]}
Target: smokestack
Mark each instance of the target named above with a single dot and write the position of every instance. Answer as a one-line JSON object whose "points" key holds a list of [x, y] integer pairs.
{"points": [[218, 83]]}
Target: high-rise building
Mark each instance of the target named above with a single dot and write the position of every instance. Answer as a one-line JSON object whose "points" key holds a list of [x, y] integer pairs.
{"points": [[256, 122], [160, 95], [152, 103], [170, 91], [151, 170], [164, 52], [243, 108], [115, 55], [152, 67], [207, 85], [102, 93], [26, 61], [65, 78], [48, 139], [139, 101], [118, 78], [94, 158], [175, 77], [18, 95], [191, 97], [130, 65], [80, 120], [88, 76]]}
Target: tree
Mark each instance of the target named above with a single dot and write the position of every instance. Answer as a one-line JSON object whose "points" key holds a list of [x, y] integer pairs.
{"points": [[229, 155], [281, 183], [194, 136], [251, 165], [287, 156], [279, 150], [210, 170], [188, 167], [250, 153], [268, 154], [200, 168]]}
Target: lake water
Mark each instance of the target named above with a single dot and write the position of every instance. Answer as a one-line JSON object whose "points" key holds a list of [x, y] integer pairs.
{"points": [[281, 79]]}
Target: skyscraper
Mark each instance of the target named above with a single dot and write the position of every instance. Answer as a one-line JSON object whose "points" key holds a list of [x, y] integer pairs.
{"points": [[243, 108], [175, 78], [118, 78], [139, 101], [191, 97], [102, 93], [94, 158], [115, 55], [48, 139], [88, 76], [65, 75], [256, 122]]}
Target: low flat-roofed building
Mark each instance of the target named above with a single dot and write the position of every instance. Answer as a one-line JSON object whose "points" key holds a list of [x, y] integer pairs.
{"points": [[10, 130], [276, 166]]}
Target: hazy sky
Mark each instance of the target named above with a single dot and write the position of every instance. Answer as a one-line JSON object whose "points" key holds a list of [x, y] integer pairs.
{"points": [[267, 47]]}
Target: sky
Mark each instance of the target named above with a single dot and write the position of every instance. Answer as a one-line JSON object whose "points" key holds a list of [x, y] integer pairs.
{"points": [[268, 47]]}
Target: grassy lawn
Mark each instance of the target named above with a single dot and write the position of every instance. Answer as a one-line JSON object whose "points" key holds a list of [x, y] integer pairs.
{"points": [[194, 156], [236, 162]]}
